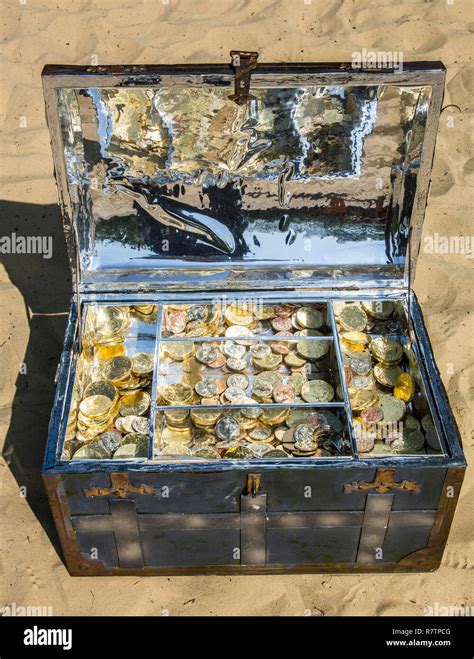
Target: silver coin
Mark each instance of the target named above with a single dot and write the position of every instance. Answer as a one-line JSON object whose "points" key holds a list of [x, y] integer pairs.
{"points": [[227, 428], [206, 354], [205, 388], [232, 349], [362, 364], [124, 423], [259, 350], [262, 388], [304, 432], [110, 440], [238, 380], [236, 364], [231, 393], [141, 424]]}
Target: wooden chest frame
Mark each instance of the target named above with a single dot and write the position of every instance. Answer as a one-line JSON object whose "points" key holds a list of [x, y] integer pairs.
{"points": [[389, 514]]}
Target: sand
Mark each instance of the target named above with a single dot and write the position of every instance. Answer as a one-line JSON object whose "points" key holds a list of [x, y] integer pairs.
{"points": [[35, 291]]}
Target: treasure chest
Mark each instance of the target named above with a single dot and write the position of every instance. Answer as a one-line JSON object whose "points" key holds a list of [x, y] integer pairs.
{"points": [[247, 385]]}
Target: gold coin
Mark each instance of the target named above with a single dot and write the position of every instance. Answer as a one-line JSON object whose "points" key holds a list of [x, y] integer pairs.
{"points": [[308, 332], [312, 349], [317, 391], [90, 452], [191, 365], [171, 436], [239, 453], [387, 375], [352, 347], [274, 415], [191, 379], [379, 309], [145, 309], [269, 363], [108, 351], [108, 320], [271, 376], [293, 360], [95, 406], [178, 350], [101, 387], [142, 363], [205, 418], [238, 315], [117, 368], [260, 433], [136, 403], [248, 412], [175, 417], [196, 329], [386, 350], [94, 428], [206, 453], [138, 438], [356, 337], [296, 382], [309, 318], [275, 454], [177, 449], [177, 394], [404, 387], [362, 398], [352, 318]]}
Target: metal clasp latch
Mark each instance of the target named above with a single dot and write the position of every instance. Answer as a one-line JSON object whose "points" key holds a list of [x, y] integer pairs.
{"points": [[253, 484], [243, 62]]}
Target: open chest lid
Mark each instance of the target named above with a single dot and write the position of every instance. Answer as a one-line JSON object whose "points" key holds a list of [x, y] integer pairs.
{"points": [[168, 179]]}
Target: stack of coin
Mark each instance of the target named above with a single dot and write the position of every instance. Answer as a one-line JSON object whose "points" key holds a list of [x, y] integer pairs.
{"points": [[229, 371], [113, 392], [249, 433], [244, 318], [96, 413], [107, 325], [377, 378]]}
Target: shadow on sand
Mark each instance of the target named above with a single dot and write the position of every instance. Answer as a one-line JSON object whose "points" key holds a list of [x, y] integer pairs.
{"points": [[45, 285]]}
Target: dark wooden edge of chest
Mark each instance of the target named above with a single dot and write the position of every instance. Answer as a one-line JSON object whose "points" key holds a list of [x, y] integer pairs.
{"points": [[423, 560]]}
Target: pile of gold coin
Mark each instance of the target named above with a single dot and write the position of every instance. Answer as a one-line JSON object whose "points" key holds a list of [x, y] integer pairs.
{"points": [[248, 433], [109, 417], [241, 372], [265, 356], [375, 371]]}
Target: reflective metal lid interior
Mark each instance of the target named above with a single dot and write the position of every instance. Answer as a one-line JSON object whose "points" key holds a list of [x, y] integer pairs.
{"points": [[167, 183]]}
